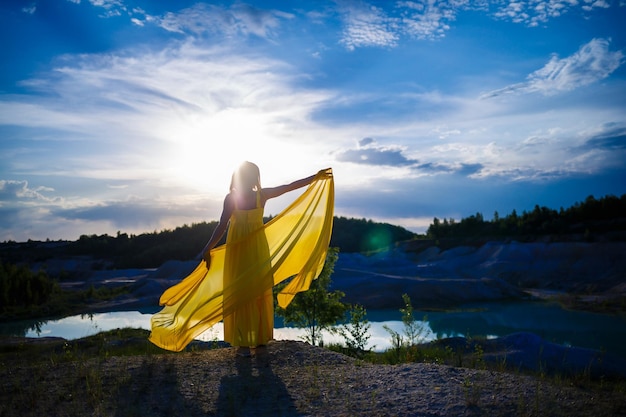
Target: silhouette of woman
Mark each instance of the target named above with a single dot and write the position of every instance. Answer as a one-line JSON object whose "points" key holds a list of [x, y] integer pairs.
{"points": [[234, 282]]}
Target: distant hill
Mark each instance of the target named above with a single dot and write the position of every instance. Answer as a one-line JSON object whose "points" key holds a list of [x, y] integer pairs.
{"points": [[150, 250], [361, 235]]}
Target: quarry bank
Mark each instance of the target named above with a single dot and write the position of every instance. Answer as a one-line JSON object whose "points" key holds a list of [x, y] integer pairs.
{"points": [[591, 274], [587, 275], [583, 275]]}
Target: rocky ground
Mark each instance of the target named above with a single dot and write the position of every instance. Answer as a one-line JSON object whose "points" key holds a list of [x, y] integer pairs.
{"points": [[295, 379], [288, 379]]}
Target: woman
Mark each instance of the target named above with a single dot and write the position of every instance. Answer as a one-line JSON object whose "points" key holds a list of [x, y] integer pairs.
{"points": [[235, 281]]}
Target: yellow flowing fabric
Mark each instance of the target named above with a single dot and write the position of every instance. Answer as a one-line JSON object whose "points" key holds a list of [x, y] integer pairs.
{"points": [[237, 288]]}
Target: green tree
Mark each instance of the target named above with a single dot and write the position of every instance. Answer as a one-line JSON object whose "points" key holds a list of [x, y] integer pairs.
{"points": [[356, 331], [414, 331], [434, 230], [318, 308]]}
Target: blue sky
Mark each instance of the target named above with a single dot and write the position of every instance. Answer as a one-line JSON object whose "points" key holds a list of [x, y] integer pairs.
{"points": [[120, 115]]}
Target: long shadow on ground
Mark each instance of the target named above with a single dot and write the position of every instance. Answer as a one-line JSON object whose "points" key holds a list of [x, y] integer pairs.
{"points": [[254, 390]]}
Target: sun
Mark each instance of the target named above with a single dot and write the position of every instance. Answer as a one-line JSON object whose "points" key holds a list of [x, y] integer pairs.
{"points": [[205, 153]]}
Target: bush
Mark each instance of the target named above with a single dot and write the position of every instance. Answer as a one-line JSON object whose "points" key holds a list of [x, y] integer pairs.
{"points": [[21, 287], [356, 331]]}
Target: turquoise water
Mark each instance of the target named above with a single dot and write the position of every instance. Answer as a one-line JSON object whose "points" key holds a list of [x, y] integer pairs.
{"points": [[548, 320]]}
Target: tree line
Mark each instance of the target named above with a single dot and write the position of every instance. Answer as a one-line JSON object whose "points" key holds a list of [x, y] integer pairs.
{"points": [[592, 216], [21, 287], [150, 250]]}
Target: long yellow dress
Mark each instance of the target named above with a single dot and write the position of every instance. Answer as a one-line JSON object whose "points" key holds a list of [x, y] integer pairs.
{"points": [[251, 322], [238, 286]]}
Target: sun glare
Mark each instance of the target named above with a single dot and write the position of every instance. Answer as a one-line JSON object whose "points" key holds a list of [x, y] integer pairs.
{"points": [[204, 154]]}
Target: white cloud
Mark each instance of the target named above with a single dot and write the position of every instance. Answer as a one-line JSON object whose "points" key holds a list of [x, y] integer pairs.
{"points": [[367, 25], [534, 13], [591, 4], [429, 19], [207, 19], [12, 191], [107, 4], [443, 132], [112, 8], [370, 26], [591, 63], [30, 9], [158, 121], [168, 117]]}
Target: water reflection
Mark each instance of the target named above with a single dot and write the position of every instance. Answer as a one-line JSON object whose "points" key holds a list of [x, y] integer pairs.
{"points": [[548, 320], [76, 327], [23, 328], [596, 331]]}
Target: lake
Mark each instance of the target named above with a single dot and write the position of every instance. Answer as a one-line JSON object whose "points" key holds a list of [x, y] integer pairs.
{"points": [[548, 320]]}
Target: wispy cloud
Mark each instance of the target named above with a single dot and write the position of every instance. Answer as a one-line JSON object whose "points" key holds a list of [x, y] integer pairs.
{"points": [[208, 19], [591, 63], [112, 8], [12, 192], [132, 214], [169, 121], [30, 9], [26, 210], [461, 169]]}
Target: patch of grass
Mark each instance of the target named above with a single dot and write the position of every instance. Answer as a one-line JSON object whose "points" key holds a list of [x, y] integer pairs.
{"points": [[472, 391]]}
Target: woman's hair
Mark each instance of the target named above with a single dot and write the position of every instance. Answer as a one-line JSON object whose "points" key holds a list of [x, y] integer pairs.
{"points": [[245, 178]]}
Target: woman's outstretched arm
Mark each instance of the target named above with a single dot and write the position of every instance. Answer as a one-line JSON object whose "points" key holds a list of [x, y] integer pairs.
{"points": [[219, 231], [282, 189]]}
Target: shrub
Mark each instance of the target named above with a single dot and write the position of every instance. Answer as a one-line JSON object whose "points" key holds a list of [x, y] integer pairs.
{"points": [[21, 287]]}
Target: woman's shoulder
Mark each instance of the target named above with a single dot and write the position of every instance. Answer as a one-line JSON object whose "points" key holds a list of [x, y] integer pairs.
{"points": [[230, 200], [240, 201]]}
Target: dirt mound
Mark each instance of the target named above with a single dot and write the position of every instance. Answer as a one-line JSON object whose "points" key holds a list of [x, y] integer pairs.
{"points": [[284, 379]]}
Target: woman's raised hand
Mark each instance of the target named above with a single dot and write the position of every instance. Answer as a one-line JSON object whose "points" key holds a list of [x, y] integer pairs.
{"points": [[324, 173], [207, 258]]}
